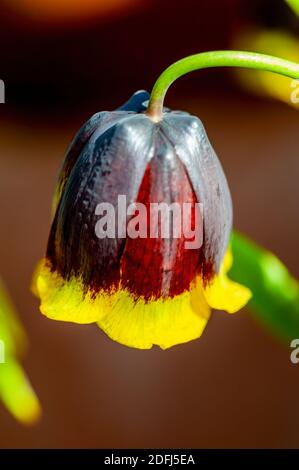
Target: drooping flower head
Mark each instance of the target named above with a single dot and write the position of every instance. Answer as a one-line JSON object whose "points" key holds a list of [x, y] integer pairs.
{"points": [[116, 267]]}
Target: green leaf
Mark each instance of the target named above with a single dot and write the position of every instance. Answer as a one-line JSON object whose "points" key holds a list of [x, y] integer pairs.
{"points": [[294, 4], [11, 330], [16, 392], [275, 300]]}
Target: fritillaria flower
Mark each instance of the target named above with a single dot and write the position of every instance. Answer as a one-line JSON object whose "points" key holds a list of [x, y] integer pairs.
{"points": [[145, 290], [142, 291]]}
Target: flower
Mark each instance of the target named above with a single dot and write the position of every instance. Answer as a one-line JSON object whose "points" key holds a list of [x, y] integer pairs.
{"points": [[142, 291]]}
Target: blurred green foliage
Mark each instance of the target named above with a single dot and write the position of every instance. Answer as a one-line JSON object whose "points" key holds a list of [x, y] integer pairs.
{"points": [[275, 300], [16, 392], [294, 4]]}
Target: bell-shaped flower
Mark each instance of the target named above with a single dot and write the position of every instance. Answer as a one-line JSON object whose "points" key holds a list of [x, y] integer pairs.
{"points": [[141, 227]]}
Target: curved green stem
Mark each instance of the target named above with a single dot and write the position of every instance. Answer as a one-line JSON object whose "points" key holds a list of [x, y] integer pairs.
{"points": [[251, 60]]}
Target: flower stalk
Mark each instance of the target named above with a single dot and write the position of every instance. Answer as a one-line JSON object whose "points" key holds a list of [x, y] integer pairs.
{"points": [[203, 60]]}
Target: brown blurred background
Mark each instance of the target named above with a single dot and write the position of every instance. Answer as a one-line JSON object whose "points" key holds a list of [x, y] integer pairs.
{"points": [[236, 386]]}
